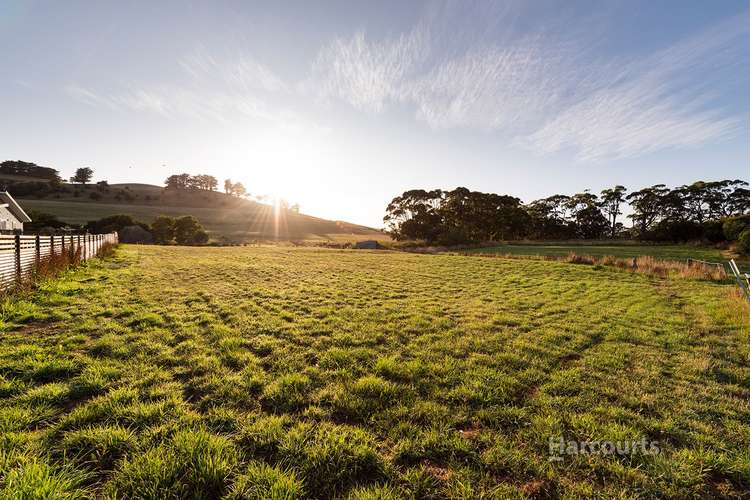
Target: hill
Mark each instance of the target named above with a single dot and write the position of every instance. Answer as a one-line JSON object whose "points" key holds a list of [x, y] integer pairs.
{"points": [[224, 216]]}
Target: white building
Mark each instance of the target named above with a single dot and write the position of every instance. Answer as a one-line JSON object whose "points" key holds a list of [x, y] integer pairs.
{"points": [[12, 215]]}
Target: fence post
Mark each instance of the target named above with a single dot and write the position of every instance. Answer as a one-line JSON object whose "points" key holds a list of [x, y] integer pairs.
{"points": [[37, 251], [52, 245], [82, 249], [17, 250]]}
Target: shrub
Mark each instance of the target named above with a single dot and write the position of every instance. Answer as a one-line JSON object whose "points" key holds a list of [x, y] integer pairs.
{"points": [[733, 226], [163, 229], [261, 481], [188, 231], [135, 234], [41, 220], [113, 223], [713, 231], [743, 242]]}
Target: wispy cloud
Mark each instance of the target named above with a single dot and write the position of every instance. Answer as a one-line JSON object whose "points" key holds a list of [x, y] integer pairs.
{"points": [[546, 88], [241, 72], [368, 74], [545, 91], [660, 102], [211, 89], [88, 96]]}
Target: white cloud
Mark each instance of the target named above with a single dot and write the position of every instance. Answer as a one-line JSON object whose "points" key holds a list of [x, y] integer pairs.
{"points": [[241, 72], [486, 88], [89, 97], [544, 91], [214, 90], [368, 74]]}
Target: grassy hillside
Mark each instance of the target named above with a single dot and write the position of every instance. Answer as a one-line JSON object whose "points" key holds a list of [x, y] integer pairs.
{"points": [[252, 372], [222, 215]]}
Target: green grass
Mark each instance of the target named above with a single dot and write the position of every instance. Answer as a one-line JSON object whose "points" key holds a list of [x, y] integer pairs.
{"points": [[172, 372]]}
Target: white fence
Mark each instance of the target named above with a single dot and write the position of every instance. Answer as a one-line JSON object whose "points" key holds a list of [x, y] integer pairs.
{"points": [[743, 280], [19, 254]]}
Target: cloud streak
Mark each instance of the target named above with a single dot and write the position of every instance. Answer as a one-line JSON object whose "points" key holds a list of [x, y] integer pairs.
{"points": [[543, 91], [546, 89], [210, 89]]}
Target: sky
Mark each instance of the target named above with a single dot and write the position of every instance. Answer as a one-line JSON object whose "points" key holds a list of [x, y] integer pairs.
{"points": [[342, 105]]}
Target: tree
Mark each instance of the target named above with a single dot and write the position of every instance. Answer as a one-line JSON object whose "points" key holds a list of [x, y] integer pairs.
{"points": [[549, 218], [611, 201], [82, 176], [695, 198], [188, 231], [163, 229], [588, 218], [238, 190], [177, 181], [739, 201], [414, 215], [28, 169], [202, 182], [647, 205], [234, 189]]}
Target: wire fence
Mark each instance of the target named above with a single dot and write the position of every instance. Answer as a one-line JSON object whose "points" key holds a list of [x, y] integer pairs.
{"points": [[20, 254]]}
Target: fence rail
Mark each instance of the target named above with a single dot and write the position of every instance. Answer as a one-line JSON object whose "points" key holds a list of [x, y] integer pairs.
{"points": [[743, 280], [19, 254]]}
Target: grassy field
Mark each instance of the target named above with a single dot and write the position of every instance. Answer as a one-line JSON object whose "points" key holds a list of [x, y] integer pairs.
{"points": [[172, 372], [238, 222], [666, 252]]}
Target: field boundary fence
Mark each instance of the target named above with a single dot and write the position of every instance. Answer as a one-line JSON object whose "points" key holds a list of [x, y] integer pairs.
{"points": [[691, 261], [21, 254], [743, 279]]}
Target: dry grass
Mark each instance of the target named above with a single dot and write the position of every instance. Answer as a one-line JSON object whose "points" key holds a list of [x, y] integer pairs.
{"points": [[106, 250], [645, 264], [52, 266]]}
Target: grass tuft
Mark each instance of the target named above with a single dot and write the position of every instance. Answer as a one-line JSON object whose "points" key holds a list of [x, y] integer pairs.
{"points": [[263, 482]]}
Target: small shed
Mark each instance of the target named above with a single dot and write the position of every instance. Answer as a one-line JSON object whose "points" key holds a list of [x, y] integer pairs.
{"points": [[367, 245], [12, 215]]}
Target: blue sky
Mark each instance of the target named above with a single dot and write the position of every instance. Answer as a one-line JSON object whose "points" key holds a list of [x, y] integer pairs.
{"points": [[342, 105]]}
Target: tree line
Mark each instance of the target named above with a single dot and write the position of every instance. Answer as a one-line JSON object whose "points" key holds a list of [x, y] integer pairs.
{"points": [[202, 182], [698, 211], [164, 230]]}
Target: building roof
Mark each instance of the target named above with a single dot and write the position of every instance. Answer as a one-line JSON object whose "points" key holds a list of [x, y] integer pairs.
{"points": [[14, 207]]}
